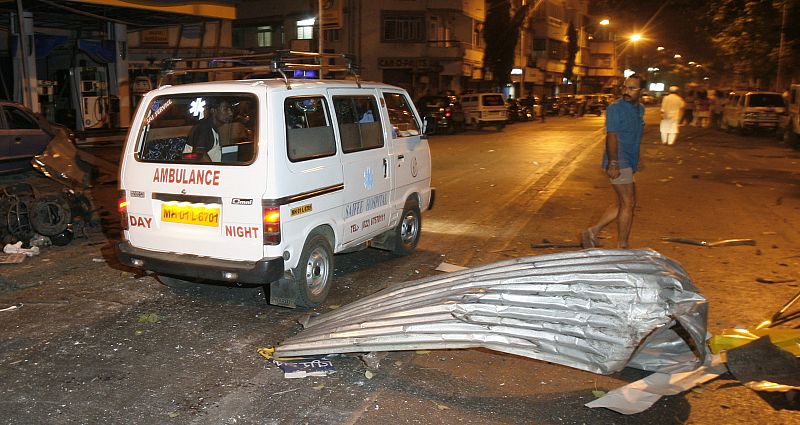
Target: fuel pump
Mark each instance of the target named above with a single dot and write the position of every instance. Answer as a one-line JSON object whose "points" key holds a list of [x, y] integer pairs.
{"points": [[90, 97]]}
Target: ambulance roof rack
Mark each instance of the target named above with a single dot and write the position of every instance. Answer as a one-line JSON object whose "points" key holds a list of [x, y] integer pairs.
{"points": [[276, 62]]}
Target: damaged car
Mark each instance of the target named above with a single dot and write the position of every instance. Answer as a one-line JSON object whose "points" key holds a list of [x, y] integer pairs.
{"points": [[23, 135]]}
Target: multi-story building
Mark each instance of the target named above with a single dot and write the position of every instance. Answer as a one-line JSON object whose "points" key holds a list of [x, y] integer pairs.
{"points": [[431, 46], [92, 65]]}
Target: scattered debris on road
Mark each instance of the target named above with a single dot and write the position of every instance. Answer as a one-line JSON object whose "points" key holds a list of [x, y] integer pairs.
{"points": [[725, 242], [774, 280], [638, 396], [18, 249], [12, 258], [595, 310], [37, 219], [449, 268], [762, 366], [11, 308], [548, 244], [300, 366]]}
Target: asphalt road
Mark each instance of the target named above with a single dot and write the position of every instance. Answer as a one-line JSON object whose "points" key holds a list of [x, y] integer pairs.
{"points": [[95, 343]]}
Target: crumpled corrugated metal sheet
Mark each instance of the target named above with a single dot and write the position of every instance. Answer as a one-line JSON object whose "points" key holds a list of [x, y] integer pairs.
{"points": [[594, 310]]}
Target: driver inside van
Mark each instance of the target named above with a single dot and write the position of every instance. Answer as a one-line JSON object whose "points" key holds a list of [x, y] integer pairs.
{"points": [[204, 138]]}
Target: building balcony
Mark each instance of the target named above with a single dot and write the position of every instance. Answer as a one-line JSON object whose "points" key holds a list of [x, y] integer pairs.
{"points": [[550, 28], [445, 4], [444, 49], [601, 72], [453, 50], [601, 47]]}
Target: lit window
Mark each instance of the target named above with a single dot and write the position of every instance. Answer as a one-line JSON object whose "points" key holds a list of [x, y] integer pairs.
{"points": [[305, 29]]}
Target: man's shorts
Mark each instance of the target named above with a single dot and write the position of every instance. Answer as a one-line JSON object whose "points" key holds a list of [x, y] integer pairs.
{"points": [[625, 176]]}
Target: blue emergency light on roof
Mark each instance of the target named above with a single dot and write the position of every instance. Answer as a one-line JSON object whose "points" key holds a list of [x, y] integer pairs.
{"points": [[305, 73]]}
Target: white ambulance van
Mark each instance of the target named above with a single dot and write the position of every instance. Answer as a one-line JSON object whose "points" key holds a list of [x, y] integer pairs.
{"points": [[483, 109], [260, 182]]}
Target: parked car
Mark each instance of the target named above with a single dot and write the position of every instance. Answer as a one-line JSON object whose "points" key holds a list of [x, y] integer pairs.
{"points": [[533, 104], [595, 104], [23, 135], [756, 110], [442, 114], [517, 111], [566, 105], [648, 99]]}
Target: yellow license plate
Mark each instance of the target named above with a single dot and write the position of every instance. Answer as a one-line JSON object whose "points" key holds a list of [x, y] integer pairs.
{"points": [[200, 215]]}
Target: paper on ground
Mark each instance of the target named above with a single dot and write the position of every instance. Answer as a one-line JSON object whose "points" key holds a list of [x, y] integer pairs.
{"points": [[638, 396], [18, 249], [12, 258], [447, 267]]}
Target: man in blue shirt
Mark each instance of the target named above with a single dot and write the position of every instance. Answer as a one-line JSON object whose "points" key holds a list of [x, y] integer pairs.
{"points": [[624, 125]]}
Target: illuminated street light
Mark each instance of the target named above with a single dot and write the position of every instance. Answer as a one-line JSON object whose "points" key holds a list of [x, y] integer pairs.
{"points": [[635, 37], [660, 48], [677, 56], [605, 22], [691, 62]]}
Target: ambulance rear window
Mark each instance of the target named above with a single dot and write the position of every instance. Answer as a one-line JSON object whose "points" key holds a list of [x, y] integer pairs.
{"points": [[493, 100], [199, 128]]}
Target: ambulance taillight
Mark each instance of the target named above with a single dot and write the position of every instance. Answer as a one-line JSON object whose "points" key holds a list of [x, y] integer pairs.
{"points": [[122, 207], [272, 225]]}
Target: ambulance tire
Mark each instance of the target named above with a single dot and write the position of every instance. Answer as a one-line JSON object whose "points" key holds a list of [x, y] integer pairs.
{"points": [[408, 230], [313, 275], [175, 283], [500, 126]]}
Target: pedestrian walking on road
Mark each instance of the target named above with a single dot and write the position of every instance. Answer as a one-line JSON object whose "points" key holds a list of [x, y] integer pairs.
{"points": [[624, 125], [671, 112], [688, 109]]}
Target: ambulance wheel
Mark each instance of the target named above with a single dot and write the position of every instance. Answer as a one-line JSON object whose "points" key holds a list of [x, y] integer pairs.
{"points": [[499, 126], [175, 283], [407, 230], [314, 272]]}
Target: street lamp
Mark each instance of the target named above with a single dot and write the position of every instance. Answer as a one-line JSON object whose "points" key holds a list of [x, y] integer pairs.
{"points": [[635, 37], [605, 22]]}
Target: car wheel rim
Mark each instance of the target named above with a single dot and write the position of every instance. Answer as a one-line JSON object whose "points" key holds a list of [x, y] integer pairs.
{"points": [[409, 228], [317, 270]]}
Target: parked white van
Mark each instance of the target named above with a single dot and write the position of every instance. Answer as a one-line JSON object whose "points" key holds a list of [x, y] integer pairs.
{"points": [[753, 110], [482, 109], [260, 182]]}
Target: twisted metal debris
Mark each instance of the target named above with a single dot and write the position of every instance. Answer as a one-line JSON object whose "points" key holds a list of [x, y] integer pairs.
{"points": [[596, 310]]}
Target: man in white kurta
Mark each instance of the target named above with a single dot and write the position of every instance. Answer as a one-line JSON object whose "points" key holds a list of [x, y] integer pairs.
{"points": [[671, 112]]}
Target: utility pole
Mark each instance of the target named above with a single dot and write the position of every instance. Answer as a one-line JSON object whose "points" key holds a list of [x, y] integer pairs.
{"points": [[781, 48], [321, 35]]}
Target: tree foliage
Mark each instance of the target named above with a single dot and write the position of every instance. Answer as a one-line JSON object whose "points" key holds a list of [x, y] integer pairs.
{"points": [[747, 34], [501, 33], [572, 51]]}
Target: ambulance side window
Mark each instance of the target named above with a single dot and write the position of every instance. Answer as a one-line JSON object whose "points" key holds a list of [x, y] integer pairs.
{"points": [[359, 123], [309, 133], [401, 116]]}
